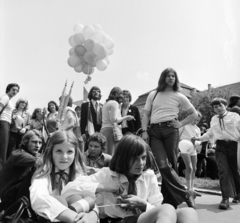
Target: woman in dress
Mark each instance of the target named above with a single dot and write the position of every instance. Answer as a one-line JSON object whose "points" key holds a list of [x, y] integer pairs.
{"points": [[111, 114], [20, 124]]}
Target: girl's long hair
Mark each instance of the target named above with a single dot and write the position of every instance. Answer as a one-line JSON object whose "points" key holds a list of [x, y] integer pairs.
{"points": [[48, 168]]}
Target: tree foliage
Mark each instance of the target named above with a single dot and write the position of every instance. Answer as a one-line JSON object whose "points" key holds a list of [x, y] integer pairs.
{"points": [[202, 102]]}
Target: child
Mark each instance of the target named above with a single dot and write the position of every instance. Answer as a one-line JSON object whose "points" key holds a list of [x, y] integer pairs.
{"points": [[188, 150], [140, 199], [61, 164], [225, 128], [95, 157]]}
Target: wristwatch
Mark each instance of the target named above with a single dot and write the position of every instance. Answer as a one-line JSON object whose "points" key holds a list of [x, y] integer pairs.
{"points": [[144, 131]]}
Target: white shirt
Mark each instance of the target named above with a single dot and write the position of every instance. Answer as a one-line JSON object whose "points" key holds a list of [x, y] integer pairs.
{"points": [[147, 189], [189, 131], [166, 105], [7, 112], [46, 205], [230, 130], [124, 113]]}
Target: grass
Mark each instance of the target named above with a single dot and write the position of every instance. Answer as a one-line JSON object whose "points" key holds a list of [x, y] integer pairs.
{"points": [[204, 183]]}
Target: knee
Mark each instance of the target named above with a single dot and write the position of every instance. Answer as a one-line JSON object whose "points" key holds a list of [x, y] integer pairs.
{"points": [[166, 211], [185, 215], [189, 167]]}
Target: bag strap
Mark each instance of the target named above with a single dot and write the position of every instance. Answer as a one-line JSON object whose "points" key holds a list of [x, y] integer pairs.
{"points": [[3, 108]]}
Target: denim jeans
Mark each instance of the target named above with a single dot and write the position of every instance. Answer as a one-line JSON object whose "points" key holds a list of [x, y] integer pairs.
{"points": [[229, 178], [164, 144], [4, 138]]}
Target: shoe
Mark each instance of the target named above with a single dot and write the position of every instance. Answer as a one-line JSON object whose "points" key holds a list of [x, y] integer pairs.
{"points": [[224, 205], [190, 199], [236, 199]]}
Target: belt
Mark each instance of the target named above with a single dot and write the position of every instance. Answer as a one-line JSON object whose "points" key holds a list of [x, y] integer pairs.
{"points": [[167, 123], [226, 141]]}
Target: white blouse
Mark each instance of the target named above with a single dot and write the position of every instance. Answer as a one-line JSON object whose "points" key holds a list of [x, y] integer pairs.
{"points": [[147, 189], [46, 205]]}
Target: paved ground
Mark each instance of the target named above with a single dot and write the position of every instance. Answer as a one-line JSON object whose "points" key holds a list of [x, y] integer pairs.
{"points": [[208, 212]]}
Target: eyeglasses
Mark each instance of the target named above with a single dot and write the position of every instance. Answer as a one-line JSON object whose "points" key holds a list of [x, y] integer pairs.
{"points": [[15, 89], [24, 102], [96, 91]]}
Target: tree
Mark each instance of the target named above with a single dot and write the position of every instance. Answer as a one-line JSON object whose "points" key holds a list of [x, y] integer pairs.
{"points": [[202, 102]]}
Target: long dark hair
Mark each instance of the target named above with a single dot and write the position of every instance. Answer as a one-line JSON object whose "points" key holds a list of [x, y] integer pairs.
{"points": [[162, 80], [130, 146], [114, 94], [233, 101]]}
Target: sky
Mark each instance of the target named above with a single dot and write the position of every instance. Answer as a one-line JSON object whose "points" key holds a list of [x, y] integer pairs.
{"points": [[199, 39]]}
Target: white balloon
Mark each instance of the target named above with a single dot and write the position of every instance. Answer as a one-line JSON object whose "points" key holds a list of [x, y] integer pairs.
{"points": [[99, 37], [78, 68], [109, 52], [97, 27], [78, 28], [74, 61], [101, 65], [72, 52], [71, 41], [88, 31], [108, 42]]}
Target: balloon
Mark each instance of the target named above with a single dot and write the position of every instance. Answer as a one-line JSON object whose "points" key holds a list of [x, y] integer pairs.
{"points": [[185, 146], [99, 36], [108, 42], [74, 61], [80, 50], [107, 59], [101, 65], [71, 52], [109, 52], [100, 50], [97, 27], [71, 41], [91, 58], [88, 31], [78, 28], [79, 38], [87, 69], [78, 68], [89, 44]]}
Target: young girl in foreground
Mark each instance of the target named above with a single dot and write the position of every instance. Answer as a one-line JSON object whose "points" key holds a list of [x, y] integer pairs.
{"points": [[61, 161], [139, 198]]}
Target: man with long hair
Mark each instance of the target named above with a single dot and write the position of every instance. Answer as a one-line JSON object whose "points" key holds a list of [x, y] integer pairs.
{"points": [[161, 110]]}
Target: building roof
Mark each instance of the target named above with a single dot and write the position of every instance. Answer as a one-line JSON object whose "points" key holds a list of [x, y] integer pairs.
{"points": [[185, 89]]}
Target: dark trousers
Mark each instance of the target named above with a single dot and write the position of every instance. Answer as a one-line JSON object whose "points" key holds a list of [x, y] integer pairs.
{"points": [[14, 142], [164, 144], [229, 178], [4, 138]]}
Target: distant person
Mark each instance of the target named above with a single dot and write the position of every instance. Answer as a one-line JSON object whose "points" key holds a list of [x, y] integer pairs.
{"points": [[78, 112], [95, 157], [37, 119], [95, 106], [19, 168], [133, 125], [234, 104], [6, 108], [112, 116], [189, 151], [51, 119], [225, 128], [161, 110]]}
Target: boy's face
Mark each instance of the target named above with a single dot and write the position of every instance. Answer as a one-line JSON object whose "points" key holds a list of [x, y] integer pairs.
{"points": [[94, 149], [220, 109]]}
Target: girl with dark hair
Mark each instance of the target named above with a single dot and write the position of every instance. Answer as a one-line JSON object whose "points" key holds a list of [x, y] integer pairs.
{"points": [[161, 112], [37, 119], [19, 126], [234, 104], [138, 199], [111, 114], [51, 120]]}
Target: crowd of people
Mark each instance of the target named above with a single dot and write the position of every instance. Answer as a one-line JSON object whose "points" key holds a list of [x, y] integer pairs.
{"points": [[74, 170]]}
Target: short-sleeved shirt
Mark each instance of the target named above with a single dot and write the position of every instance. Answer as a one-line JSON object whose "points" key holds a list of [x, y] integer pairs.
{"points": [[166, 105], [190, 131], [7, 112]]}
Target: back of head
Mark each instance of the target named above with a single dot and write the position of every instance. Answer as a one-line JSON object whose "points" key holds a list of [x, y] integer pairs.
{"points": [[233, 100], [130, 147], [114, 94]]}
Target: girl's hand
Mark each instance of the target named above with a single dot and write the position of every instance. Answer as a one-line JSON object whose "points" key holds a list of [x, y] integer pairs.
{"points": [[79, 216], [90, 217], [132, 202], [176, 124], [130, 117], [23, 131]]}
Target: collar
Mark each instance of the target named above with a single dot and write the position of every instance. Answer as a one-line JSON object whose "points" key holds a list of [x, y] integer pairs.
{"points": [[57, 170], [122, 177], [222, 116], [87, 154], [94, 102]]}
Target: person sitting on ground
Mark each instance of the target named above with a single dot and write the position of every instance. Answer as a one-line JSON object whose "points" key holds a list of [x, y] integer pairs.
{"points": [[19, 168], [95, 157], [62, 163], [225, 128], [138, 198]]}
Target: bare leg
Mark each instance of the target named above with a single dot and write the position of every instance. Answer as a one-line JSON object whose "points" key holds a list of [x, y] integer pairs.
{"points": [[194, 165], [162, 213], [187, 215], [189, 169]]}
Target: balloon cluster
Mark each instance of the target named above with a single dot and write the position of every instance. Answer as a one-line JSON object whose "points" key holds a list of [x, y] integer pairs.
{"points": [[91, 47]]}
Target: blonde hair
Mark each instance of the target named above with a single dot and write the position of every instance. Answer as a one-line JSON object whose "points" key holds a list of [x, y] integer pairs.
{"points": [[22, 100], [48, 168]]}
